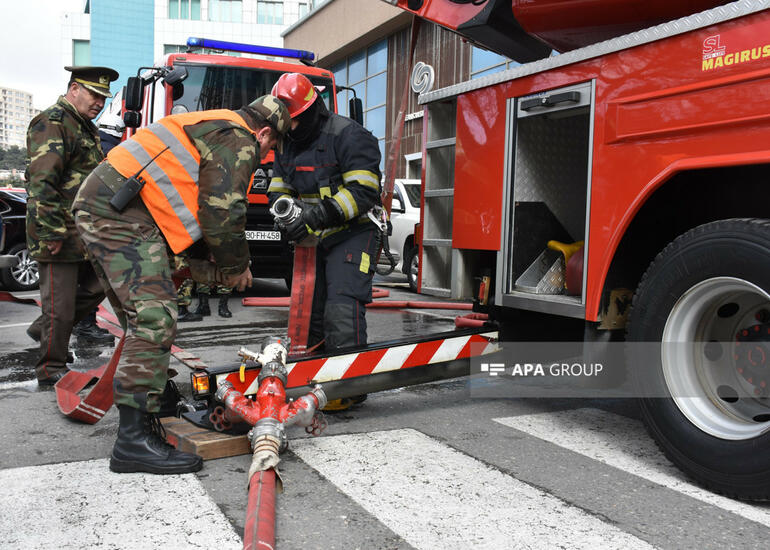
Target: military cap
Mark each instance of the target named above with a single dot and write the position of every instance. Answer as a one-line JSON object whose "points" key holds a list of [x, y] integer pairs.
{"points": [[96, 79], [275, 113]]}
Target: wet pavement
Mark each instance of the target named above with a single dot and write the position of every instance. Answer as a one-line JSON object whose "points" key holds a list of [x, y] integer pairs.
{"points": [[406, 469], [215, 340]]}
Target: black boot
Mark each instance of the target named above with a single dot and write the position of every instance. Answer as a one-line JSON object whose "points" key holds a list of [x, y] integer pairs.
{"points": [[186, 315], [89, 330], [169, 399], [141, 447], [203, 305], [223, 311]]}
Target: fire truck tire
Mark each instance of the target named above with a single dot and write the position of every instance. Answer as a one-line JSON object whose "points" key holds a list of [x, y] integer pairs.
{"points": [[411, 267], [698, 349]]}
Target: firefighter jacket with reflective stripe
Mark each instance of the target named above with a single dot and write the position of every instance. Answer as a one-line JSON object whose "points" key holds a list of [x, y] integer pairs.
{"points": [[343, 163], [170, 192]]}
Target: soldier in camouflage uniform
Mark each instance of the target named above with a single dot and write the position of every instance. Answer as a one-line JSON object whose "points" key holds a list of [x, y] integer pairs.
{"points": [[184, 293], [204, 291], [212, 156], [63, 148]]}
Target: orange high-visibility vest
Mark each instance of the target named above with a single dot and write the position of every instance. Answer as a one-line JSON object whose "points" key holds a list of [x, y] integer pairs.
{"points": [[171, 189]]}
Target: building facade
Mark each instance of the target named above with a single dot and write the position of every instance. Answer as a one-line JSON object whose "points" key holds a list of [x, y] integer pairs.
{"points": [[369, 52], [16, 111], [128, 35]]}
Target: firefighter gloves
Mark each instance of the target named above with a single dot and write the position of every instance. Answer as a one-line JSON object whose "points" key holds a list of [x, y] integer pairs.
{"points": [[316, 217]]}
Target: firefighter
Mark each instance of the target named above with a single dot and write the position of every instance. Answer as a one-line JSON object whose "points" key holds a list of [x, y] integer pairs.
{"points": [[330, 167], [63, 148], [196, 168]]}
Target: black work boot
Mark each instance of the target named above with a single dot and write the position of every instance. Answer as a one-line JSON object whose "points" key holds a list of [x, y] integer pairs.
{"points": [[169, 399], [185, 315], [203, 305], [89, 330], [141, 447], [223, 311]]}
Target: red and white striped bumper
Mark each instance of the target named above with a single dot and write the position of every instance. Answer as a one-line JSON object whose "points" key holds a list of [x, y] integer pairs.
{"points": [[351, 365]]}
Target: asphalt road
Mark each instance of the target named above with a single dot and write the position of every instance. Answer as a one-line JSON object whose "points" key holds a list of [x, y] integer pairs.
{"points": [[425, 467]]}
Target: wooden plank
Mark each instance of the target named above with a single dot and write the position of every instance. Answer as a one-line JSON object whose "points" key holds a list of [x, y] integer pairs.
{"points": [[188, 437]]}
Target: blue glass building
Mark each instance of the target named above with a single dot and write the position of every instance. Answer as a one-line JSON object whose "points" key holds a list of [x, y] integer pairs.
{"points": [[122, 36]]}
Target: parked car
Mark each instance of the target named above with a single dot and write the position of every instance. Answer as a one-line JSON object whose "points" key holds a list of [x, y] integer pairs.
{"points": [[23, 275], [6, 260], [404, 214]]}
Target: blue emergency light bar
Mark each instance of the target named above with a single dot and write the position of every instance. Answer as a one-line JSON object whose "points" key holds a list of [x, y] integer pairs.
{"points": [[194, 42]]}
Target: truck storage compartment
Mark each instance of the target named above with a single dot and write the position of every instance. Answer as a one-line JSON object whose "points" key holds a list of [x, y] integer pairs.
{"points": [[549, 187]]}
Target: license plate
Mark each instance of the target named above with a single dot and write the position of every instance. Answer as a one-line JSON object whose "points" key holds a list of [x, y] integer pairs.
{"points": [[263, 235]]}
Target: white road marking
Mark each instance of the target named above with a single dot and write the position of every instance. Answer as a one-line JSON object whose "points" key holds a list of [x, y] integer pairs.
{"points": [[35, 294], [80, 505], [623, 443], [436, 497], [16, 325], [14, 385]]}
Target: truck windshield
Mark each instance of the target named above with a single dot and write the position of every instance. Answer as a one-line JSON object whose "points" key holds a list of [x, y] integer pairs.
{"points": [[215, 87]]}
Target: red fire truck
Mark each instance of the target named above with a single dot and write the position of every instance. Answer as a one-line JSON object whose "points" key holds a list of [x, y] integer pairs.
{"points": [[184, 82], [652, 148]]}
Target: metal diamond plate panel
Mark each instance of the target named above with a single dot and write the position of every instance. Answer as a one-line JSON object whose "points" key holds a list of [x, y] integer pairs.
{"points": [[550, 168]]}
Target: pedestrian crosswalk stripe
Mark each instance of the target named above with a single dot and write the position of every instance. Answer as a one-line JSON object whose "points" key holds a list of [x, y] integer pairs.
{"points": [[434, 496], [31, 384], [80, 505], [623, 443]]}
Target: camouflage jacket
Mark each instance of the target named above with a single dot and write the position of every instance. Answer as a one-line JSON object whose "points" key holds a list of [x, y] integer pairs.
{"points": [[229, 157], [63, 148]]}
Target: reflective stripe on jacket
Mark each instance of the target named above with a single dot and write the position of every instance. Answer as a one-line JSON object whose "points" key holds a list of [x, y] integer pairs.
{"points": [[171, 189]]}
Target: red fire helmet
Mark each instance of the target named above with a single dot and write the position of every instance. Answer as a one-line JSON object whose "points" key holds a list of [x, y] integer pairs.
{"points": [[296, 91]]}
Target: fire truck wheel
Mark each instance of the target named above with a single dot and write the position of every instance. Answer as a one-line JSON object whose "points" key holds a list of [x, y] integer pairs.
{"points": [[699, 352], [411, 267]]}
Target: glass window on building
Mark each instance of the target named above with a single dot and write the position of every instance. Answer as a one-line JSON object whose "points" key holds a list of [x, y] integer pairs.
{"points": [[302, 10], [173, 48], [176, 48], [81, 52], [228, 11], [484, 62], [184, 9], [366, 72], [271, 13]]}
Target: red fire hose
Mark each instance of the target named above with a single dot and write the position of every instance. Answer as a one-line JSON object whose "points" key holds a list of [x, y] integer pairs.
{"points": [[259, 531], [269, 416]]}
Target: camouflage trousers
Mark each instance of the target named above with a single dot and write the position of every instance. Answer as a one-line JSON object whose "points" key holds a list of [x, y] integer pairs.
{"points": [[130, 258], [185, 290], [201, 288]]}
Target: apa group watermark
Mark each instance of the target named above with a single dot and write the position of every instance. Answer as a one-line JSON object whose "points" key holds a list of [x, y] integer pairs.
{"points": [[540, 369]]}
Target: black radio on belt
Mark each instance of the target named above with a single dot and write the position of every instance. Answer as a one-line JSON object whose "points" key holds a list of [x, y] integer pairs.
{"points": [[129, 190], [127, 193]]}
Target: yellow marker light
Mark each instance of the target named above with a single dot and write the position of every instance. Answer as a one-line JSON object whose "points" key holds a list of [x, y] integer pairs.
{"points": [[200, 383], [242, 373]]}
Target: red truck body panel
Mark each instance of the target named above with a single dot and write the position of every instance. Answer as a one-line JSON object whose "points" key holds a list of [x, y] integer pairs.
{"points": [[561, 24], [695, 100]]}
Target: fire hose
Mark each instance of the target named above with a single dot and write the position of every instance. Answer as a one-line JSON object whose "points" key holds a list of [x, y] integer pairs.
{"points": [[269, 415]]}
